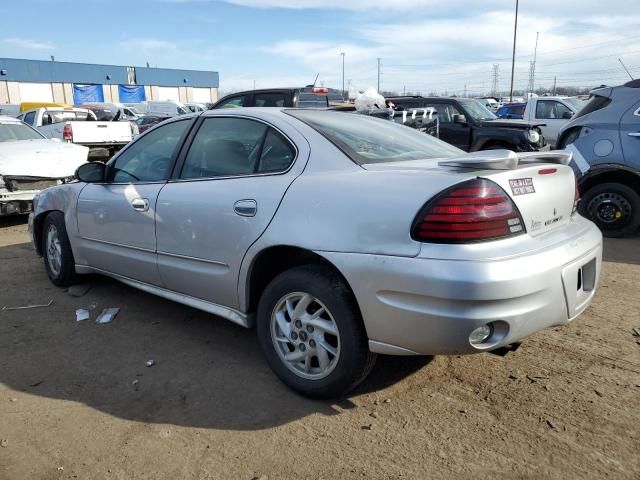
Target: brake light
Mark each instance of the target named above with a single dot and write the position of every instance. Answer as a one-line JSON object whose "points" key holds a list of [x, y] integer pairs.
{"points": [[472, 211], [320, 90], [67, 133]]}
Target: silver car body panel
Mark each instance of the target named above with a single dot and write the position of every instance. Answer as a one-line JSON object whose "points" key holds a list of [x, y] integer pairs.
{"points": [[415, 297]]}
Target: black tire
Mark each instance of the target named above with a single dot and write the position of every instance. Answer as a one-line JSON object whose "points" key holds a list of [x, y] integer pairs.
{"points": [[613, 207], [65, 275], [354, 361]]}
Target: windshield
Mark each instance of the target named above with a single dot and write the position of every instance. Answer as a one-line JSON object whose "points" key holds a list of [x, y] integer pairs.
{"points": [[477, 110], [576, 103], [12, 132], [371, 140]]}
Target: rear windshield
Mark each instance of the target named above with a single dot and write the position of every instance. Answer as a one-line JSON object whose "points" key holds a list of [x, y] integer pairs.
{"points": [[477, 110], [11, 132], [372, 140], [596, 102]]}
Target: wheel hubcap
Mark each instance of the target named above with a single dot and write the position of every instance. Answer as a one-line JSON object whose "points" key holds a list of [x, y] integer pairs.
{"points": [[305, 335], [610, 208], [54, 250]]}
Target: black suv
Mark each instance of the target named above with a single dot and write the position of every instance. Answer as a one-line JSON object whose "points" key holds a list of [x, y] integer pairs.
{"points": [[305, 97], [469, 125]]}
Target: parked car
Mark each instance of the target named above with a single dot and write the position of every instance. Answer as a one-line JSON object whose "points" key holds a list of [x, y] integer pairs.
{"points": [[30, 162], [111, 111], [551, 114], [168, 107], [605, 139], [467, 124], [306, 97], [339, 236], [81, 127], [491, 103], [195, 107], [9, 109], [512, 111], [146, 121]]}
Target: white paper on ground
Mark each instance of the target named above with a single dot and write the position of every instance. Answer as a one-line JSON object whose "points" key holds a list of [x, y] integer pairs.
{"points": [[82, 314], [107, 315]]}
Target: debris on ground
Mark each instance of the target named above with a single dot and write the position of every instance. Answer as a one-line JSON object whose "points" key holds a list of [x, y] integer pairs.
{"points": [[367, 427], [107, 315], [551, 424], [261, 477], [28, 306], [387, 400], [79, 290], [82, 314], [374, 414], [599, 393], [4, 443], [636, 331], [150, 363]]}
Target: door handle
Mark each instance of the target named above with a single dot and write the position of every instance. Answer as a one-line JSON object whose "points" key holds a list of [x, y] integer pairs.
{"points": [[634, 134], [246, 208], [140, 204]]}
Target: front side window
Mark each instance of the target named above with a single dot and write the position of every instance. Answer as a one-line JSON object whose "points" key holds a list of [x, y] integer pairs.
{"points": [[366, 139], [225, 147], [550, 109], [233, 102], [477, 110], [444, 111], [148, 159]]}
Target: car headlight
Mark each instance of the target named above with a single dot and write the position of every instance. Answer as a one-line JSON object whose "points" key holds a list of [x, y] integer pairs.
{"points": [[533, 136]]}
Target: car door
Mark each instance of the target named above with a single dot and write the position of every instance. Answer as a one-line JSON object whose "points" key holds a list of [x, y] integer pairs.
{"points": [[232, 179], [116, 219], [551, 113], [630, 136], [456, 134]]}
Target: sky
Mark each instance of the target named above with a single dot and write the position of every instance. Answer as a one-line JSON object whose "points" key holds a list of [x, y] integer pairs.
{"points": [[439, 46]]}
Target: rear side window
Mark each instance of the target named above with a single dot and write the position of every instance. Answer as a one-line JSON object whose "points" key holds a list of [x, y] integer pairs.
{"points": [[277, 153], [29, 118], [269, 99], [550, 109], [312, 100], [596, 102]]}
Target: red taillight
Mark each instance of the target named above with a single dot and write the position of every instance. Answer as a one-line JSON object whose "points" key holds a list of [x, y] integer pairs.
{"points": [[67, 133], [320, 90], [472, 211]]}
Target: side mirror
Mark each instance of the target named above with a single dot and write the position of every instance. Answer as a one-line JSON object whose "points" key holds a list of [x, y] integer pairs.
{"points": [[92, 172], [461, 119], [567, 115]]}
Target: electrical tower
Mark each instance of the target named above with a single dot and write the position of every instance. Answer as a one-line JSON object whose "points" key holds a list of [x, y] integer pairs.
{"points": [[494, 87], [379, 74]]}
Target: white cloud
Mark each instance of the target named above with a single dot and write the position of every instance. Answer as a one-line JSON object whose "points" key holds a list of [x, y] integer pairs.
{"points": [[30, 44]]}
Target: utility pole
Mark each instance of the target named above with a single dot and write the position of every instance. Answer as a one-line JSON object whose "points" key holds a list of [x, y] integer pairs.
{"points": [[342, 53], [533, 69], [513, 56], [554, 86], [404, 91], [465, 91], [494, 88], [254, 84], [379, 74]]}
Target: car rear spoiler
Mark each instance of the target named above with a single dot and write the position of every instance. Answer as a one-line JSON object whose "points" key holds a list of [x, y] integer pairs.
{"points": [[506, 159]]}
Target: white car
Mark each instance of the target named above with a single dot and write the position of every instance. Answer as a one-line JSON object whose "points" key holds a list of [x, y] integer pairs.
{"points": [[29, 162]]}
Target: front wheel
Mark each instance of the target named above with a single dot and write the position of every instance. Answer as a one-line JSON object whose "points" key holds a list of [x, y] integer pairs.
{"points": [[311, 332], [56, 251], [613, 207]]}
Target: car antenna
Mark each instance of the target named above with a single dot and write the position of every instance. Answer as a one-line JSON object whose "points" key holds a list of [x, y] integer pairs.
{"points": [[316, 80], [623, 66]]}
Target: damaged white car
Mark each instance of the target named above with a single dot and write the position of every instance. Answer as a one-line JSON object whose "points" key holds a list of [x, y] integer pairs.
{"points": [[29, 162]]}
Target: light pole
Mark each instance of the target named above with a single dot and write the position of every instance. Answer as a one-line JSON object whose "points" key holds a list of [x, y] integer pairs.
{"points": [[342, 53], [513, 57]]}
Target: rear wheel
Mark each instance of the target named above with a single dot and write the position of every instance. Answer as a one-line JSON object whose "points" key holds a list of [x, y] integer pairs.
{"points": [[613, 207], [311, 332], [56, 251]]}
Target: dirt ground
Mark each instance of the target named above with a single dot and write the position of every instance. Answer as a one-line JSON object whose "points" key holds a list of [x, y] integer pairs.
{"points": [[78, 401]]}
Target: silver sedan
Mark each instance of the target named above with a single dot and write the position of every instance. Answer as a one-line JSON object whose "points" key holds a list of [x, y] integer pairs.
{"points": [[339, 236]]}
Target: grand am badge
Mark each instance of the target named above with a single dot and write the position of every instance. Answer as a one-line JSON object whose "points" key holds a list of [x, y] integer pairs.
{"points": [[522, 186]]}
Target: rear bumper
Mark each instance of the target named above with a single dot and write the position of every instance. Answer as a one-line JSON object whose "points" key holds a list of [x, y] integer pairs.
{"points": [[430, 306]]}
